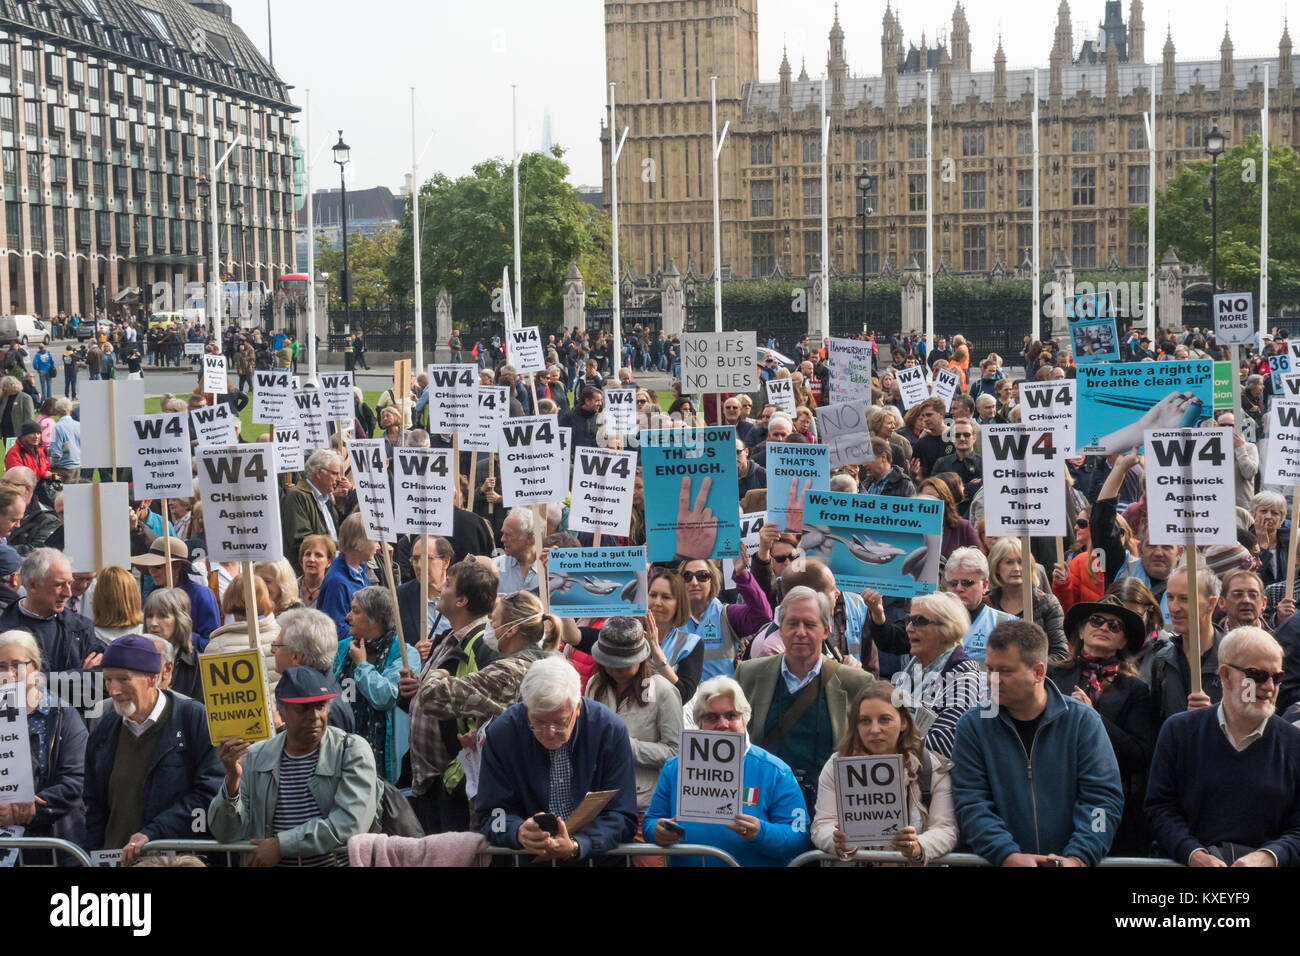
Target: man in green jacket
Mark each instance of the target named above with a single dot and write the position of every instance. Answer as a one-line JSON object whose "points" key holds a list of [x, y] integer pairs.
{"points": [[308, 789], [308, 508]]}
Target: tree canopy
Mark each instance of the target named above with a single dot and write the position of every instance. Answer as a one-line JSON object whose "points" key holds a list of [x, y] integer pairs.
{"points": [[368, 260]]}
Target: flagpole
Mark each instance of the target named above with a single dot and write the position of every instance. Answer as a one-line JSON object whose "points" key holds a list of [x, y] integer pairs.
{"points": [[615, 151], [311, 248], [718, 142], [824, 319], [1263, 228], [514, 140], [929, 215], [415, 245], [1151, 214], [1037, 318]]}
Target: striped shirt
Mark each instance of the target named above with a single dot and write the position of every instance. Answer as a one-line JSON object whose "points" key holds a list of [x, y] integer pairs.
{"points": [[295, 804]]}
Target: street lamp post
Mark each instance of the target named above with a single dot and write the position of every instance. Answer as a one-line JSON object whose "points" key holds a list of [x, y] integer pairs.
{"points": [[1214, 147], [865, 183], [342, 154]]}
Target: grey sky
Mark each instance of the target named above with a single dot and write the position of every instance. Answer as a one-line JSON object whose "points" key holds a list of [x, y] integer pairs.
{"points": [[360, 61]]}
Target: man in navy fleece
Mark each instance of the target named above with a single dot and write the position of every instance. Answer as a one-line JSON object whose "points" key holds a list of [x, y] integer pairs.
{"points": [[1224, 788]]}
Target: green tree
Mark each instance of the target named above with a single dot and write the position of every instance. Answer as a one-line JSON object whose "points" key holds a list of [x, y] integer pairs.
{"points": [[1183, 218], [467, 234], [369, 258]]}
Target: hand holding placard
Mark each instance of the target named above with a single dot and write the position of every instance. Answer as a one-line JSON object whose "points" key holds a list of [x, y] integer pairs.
{"points": [[697, 526]]}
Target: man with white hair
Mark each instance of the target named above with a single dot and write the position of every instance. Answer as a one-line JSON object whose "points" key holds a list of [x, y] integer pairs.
{"points": [[800, 697], [309, 508], [986, 410], [67, 640], [517, 567], [543, 756], [1224, 788], [779, 429]]}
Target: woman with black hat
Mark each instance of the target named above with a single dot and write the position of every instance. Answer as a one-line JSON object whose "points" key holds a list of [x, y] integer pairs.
{"points": [[1104, 638]]}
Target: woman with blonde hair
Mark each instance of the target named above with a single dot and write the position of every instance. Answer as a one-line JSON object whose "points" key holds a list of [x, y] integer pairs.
{"points": [[1006, 594], [116, 605], [280, 583], [234, 636]]}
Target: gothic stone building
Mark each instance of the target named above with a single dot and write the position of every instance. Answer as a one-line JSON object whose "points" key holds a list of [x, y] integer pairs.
{"points": [[1093, 146]]}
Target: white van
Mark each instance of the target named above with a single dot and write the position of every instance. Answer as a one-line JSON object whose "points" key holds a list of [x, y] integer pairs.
{"points": [[24, 328]]}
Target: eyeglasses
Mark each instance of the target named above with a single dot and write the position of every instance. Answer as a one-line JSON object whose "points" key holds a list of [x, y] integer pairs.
{"points": [[641, 401], [276, 645], [549, 728], [726, 718], [701, 576], [1081, 522], [1114, 625], [963, 434], [1253, 674], [918, 620], [783, 558], [963, 582]]}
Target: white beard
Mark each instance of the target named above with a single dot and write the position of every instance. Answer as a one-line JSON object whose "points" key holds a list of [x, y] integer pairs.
{"points": [[124, 709], [1259, 710]]}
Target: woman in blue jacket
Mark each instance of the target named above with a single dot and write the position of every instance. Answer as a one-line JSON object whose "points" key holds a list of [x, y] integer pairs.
{"points": [[371, 658], [772, 828]]}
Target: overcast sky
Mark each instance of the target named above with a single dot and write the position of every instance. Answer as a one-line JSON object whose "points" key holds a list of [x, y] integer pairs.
{"points": [[360, 61]]}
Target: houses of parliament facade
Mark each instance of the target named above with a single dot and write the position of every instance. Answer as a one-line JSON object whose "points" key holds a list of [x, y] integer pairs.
{"points": [[1093, 162]]}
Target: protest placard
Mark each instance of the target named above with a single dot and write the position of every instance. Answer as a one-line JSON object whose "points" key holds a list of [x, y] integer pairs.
{"points": [[1279, 367], [696, 468], [234, 696], [105, 858], [9, 855], [750, 524], [106, 411], [490, 408], [1223, 386], [1091, 322], [850, 365], [273, 398], [710, 776], [1282, 457], [843, 429], [1024, 475], [214, 375], [946, 384], [370, 473], [160, 456], [534, 466], [780, 392], [1117, 402], [620, 411], [100, 513], [597, 582], [888, 544], [718, 362], [422, 496], [1051, 406], [871, 799], [214, 425], [1234, 318], [195, 348], [1190, 490], [792, 471], [525, 350], [336, 391], [241, 505], [451, 397], [601, 499], [309, 410], [16, 780], [912, 386], [287, 443]]}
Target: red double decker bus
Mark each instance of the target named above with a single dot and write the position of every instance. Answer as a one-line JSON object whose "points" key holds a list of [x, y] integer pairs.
{"points": [[293, 283]]}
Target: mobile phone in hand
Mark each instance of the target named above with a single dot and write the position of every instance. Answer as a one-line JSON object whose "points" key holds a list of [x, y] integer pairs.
{"points": [[547, 823], [674, 827]]}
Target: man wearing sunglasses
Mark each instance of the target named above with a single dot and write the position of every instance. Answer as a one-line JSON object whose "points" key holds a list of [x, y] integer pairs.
{"points": [[1225, 780]]}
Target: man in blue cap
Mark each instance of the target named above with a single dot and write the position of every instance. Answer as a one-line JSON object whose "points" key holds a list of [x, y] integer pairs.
{"points": [[309, 789], [149, 763]]}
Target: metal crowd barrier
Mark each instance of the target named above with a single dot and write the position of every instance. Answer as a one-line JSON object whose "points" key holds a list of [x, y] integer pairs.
{"points": [[21, 844], [637, 849], [963, 859]]}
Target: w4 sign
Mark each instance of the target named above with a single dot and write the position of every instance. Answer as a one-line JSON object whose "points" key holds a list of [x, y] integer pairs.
{"points": [[1024, 479], [160, 456], [1050, 406], [526, 352], [534, 465], [1190, 490], [241, 505]]}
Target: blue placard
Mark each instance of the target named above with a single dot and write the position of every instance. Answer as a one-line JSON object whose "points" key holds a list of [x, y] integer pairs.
{"points": [[691, 495], [792, 471], [597, 582], [1093, 336], [890, 545], [1118, 402]]}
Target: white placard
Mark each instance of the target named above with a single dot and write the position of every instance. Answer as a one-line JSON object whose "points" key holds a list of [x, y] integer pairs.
{"points": [[336, 389], [843, 429], [287, 443], [603, 483], [1282, 457], [525, 349], [1234, 319], [215, 379], [1190, 490], [620, 411], [1024, 481], [451, 397], [946, 384], [750, 524], [309, 412], [871, 799], [423, 493], [105, 858], [534, 466], [491, 406], [9, 855], [780, 392], [710, 776], [112, 532], [370, 474], [214, 425], [273, 398], [16, 783], [912, 386], [195, 348], [719, 362], [850, 365], [106, 410], [160, 456], [241, 504], [1050, 405], [1290, 386]]}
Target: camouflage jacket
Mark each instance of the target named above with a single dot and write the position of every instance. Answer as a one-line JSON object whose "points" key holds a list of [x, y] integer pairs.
{"points": [[483, 694]]}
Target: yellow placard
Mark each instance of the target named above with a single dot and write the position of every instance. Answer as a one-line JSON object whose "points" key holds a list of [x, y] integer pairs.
{"points": [[235, 696]]}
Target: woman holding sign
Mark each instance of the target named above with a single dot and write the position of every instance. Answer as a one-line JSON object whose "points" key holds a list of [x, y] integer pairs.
{"points": [[1005, 571], [877, 727]]}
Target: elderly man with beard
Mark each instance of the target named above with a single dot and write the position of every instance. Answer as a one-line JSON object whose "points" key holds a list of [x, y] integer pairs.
{"points": [[1225, 781], [149, 764]]}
